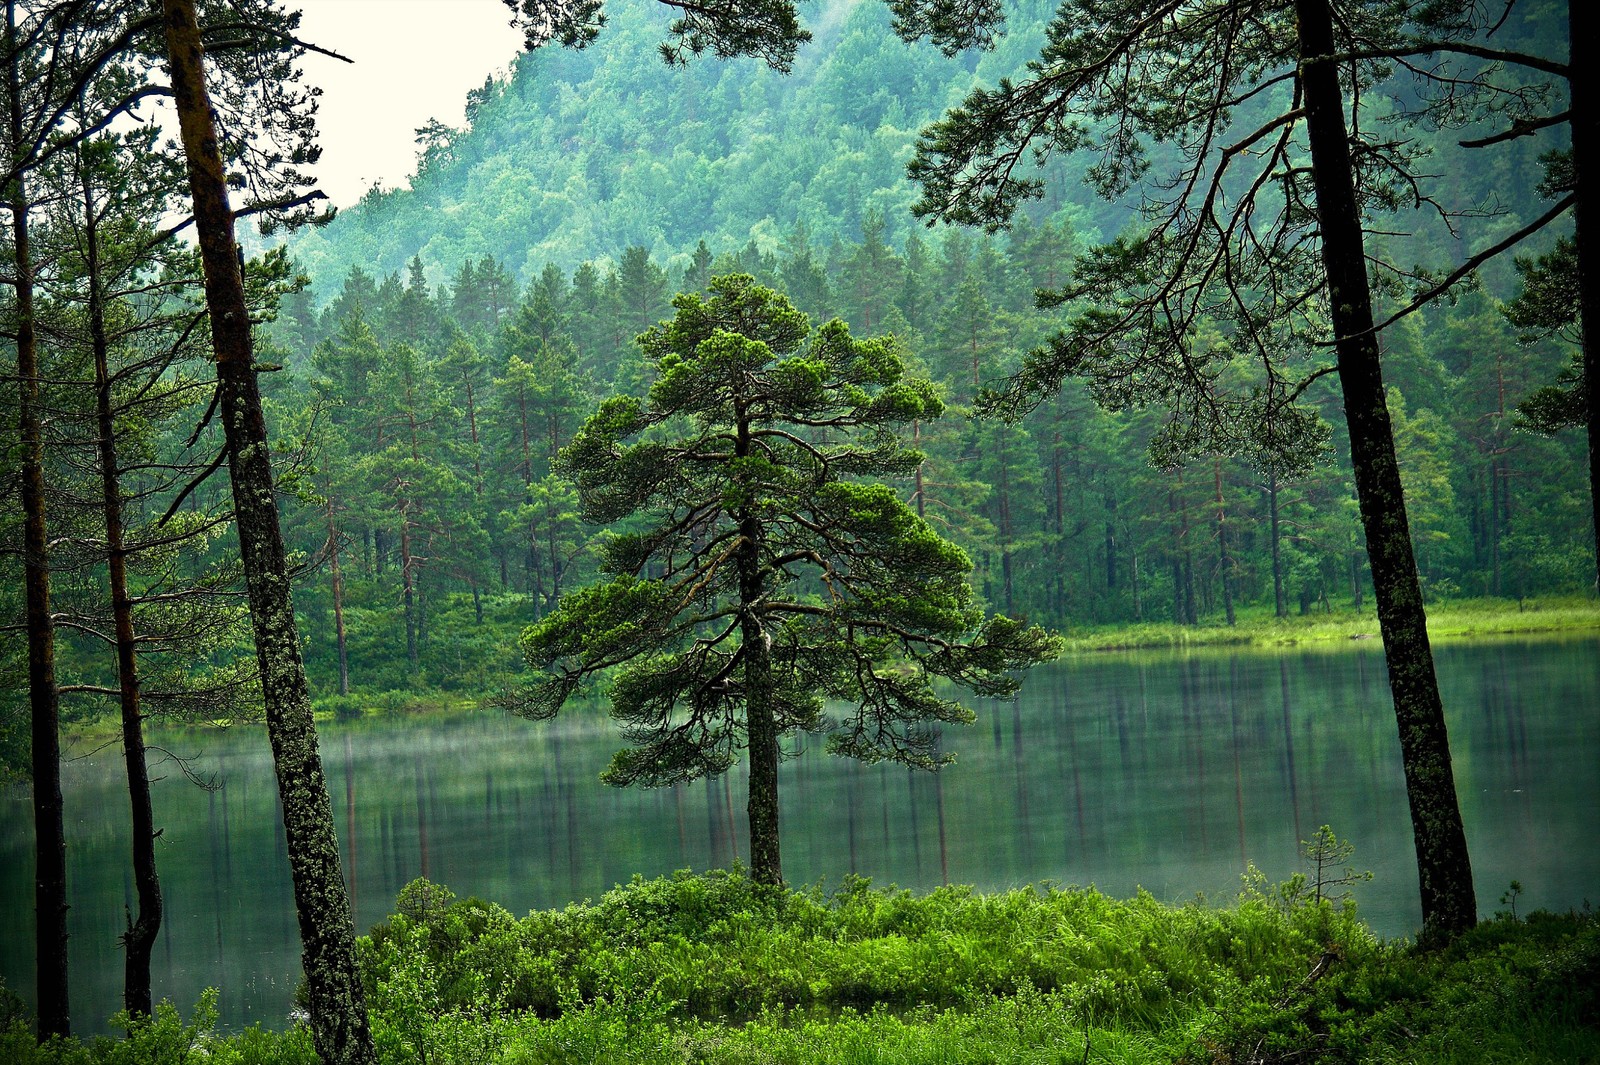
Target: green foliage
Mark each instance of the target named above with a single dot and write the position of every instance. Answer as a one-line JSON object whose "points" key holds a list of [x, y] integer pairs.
{"points": [[766, 29], [1211, 306], [652, 179], [745, 481], [1065, 521], [582, 155], [1063, 500], [716, 968], [720, 945], [165, 1039], [719, 968], [1510, 897], [1328, 856], [1503, 991]]}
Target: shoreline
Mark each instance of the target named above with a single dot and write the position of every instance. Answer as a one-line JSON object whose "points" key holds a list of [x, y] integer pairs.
{"points": [[1458, 622], [1470, 619]]}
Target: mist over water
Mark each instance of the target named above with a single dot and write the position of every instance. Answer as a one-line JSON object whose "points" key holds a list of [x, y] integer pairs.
{"points": [[1164, 772]]}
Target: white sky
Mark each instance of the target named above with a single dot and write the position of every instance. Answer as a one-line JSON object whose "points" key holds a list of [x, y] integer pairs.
{"points": [[414, 60]]}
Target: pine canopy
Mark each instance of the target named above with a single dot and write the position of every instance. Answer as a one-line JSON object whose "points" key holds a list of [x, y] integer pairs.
{"points": [[753, 477]]}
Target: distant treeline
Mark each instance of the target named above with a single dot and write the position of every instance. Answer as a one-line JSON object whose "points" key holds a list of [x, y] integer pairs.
{"points": [[429, 417]]}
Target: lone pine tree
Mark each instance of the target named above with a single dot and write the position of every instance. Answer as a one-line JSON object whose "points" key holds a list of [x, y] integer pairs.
{"points": [[767, 570]]}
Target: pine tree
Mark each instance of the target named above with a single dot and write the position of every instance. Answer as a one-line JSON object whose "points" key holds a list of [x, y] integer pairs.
{"points": [[338, 1003], [1235, 256], [770, 570], [871, 275]]}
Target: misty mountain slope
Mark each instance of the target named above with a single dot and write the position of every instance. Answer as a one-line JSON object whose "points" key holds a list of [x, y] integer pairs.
{"points": [[579, 155]]}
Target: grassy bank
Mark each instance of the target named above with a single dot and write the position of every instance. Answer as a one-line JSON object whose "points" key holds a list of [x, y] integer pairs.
{"points": [[1458, 619], [711, 968]]}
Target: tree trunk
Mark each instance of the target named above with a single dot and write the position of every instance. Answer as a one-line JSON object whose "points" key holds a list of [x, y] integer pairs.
{"points": [[407, 588], [50, 841], [1224, 559], [920, 495], [336, 577], [337, 1000], [1111, 543], [472, 425], [1058, 525], [766, 866], [1133, 578], [140, 937], [1005, 522], [1449, 905], [1495, 508], [1585, 143], [1280, 603], [1184, 572], [422, 605], [555, 552]]}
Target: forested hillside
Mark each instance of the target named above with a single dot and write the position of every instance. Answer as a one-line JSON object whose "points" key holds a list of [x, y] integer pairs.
{"points": [[454, 334], [580, 155], [495, 302]]}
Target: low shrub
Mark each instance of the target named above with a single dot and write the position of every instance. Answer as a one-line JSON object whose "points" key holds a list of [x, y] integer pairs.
{"points": [[713, 968]]}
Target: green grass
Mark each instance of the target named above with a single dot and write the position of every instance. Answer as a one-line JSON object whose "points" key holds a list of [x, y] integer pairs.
{"points": [[1457, 619], [713, 968]]}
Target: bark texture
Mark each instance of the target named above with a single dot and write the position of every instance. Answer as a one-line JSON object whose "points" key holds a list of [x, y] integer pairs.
{"points": [[1585, 142], [337, 1002], [1449, 905], [50, 842], [761, 728]]}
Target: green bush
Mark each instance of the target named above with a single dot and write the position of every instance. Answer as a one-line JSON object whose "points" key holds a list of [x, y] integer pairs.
{"points": [[719, 946], [164, 1039], [714, 968]]}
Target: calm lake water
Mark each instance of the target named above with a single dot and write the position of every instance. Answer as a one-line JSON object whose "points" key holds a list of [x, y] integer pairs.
{"points": [[1167, 772]]}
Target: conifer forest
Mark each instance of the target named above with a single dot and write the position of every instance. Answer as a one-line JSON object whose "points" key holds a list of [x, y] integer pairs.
{"points": [[1195, 394]]}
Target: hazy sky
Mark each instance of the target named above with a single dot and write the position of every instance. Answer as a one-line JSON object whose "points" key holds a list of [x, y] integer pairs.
{"points": [[414, 60]]}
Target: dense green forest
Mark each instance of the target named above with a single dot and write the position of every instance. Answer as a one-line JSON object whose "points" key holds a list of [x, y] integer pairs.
{"points": [[479, 383], [423, 395], [496, 301], [1133, 387]]}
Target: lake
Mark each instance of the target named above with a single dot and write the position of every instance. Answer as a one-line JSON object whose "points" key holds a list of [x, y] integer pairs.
{"points": [[1168, 772]]}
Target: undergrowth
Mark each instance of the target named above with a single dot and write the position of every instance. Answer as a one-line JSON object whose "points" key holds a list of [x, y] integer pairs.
{"points": [[715, 968]]}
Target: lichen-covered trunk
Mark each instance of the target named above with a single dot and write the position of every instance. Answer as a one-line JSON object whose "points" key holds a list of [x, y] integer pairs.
{"points": [[140, 938], [760, 720], [337, 1001], [1449, 904], [1585, 145], [50, 841]]}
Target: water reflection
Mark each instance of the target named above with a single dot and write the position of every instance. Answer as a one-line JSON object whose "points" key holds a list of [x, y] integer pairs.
{"points": [[1163, 772]]}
